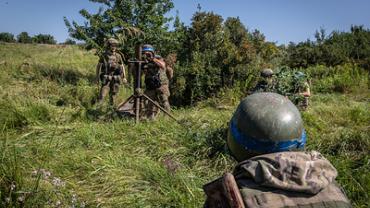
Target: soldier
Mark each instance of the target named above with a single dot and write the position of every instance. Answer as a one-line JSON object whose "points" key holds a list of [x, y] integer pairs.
{"points": [[110, 72], [157, 77], [302, 90], [266, 133], [266, 84]]}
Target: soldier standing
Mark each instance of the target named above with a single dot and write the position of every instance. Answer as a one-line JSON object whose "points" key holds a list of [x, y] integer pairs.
{"points": [[157, 77], [110, 72], [266, 84], [266, 133]]}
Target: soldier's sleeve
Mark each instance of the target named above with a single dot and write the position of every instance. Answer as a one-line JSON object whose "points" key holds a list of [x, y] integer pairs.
{"points": [[169, 72], [307, 89], [159, 63]]}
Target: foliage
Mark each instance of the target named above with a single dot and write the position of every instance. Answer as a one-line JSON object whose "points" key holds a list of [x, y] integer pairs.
{"points": [[131, 22], [69, 41], [218, 54], [23, 37], [336, 49], [44, 39], [7, 37]]}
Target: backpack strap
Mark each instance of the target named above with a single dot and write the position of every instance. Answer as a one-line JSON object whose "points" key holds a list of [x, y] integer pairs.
{"points": [[223, 193]]}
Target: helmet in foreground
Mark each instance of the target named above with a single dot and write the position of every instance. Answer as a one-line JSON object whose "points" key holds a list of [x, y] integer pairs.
{"points": [[265, 123]]}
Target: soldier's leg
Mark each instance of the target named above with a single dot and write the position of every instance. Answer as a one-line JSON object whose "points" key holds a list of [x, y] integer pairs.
{"points": [[163, 95], [114, 89], [305, 103], [150, 107], [104, 90]]}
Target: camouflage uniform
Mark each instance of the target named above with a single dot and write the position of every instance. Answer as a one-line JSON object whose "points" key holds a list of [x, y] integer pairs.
{"points": [[284, 179], [110, 70], [266, 84], [305, 87], [263, 86], [157, 77]]}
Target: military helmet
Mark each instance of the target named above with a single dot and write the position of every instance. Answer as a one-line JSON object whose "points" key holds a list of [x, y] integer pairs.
{"points": [[112, 41], [267, 72], [147, 47], [265, 123]]}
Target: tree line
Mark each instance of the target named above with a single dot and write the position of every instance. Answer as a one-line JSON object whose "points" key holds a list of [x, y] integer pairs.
{"points": [[24, 37]]}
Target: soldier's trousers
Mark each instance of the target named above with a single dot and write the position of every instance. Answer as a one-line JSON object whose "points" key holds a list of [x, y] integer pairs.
{"points": [[159, 95], [111, 87]]}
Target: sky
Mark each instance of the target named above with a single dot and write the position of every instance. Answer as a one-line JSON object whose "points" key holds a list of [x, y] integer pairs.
{"points": [[281, 21]]}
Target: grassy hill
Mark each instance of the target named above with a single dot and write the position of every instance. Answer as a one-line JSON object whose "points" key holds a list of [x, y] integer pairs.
{"points": [[57, 150]]}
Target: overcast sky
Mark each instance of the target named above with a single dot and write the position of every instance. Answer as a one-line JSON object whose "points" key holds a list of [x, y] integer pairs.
{"points": [[281, 21]]}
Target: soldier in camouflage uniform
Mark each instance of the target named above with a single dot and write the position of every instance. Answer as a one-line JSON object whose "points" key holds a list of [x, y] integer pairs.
{"points": [[266, 134], [157, 78], [302, 90], [266, 84], [110, 72]]}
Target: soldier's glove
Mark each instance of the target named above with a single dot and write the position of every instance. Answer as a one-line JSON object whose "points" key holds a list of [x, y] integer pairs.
{"points": [[108, 77], [124, 81], [117, 78]]}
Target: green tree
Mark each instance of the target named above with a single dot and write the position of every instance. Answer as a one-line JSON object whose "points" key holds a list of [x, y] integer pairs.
{"points": [[23, 37], [44, 39], [69, 41], [7, 37], [129, 21]]}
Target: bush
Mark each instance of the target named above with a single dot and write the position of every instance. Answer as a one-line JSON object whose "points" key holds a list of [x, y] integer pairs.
{"points": [[44, 39], [342, 78], [7, 37]]}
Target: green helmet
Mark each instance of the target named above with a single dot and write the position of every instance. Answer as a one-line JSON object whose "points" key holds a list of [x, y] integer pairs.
{"points": [[267, 73], [265, 123], [112, 41]]}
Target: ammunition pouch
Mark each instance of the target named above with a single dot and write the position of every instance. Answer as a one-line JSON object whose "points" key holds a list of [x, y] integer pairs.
{"points": [[153, 82]]}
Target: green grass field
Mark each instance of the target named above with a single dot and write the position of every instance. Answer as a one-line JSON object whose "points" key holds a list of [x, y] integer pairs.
{"points": [[57, 150]]}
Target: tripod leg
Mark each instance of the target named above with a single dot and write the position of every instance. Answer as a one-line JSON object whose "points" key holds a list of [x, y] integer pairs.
{"points": [[126, 101], [160, 107], [137, 109]]}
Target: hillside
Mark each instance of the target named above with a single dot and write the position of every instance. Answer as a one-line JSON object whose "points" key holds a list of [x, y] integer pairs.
{"points": [[58, 150]]}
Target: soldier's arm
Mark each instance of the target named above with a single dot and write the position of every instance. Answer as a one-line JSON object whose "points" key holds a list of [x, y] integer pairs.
{"points": [[159, 63], [307, 91], [169, 72]]}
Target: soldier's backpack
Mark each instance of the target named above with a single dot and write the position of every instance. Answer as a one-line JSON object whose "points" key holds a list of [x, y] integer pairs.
{"points": [[287, 179]]}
